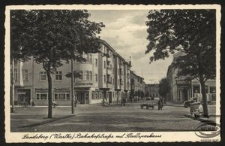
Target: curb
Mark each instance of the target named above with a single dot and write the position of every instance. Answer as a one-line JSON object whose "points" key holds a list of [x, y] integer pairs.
{"points": [[46, 122], [207, 121], [173, 105]]}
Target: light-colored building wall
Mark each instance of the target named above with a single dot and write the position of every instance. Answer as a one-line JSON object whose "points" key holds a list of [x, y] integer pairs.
{"points": [[103, 75], [181, 89]]}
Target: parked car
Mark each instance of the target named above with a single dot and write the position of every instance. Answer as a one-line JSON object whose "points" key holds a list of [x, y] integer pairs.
{"points": [[188, 102]]}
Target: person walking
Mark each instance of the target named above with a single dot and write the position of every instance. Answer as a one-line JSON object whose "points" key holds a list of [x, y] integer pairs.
{"points": [[54, 103], [160, 104]]}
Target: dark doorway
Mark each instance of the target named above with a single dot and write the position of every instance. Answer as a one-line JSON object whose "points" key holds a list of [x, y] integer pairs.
{"points": [[110, 97], [24, 96], [185, 94], [83, 97]]}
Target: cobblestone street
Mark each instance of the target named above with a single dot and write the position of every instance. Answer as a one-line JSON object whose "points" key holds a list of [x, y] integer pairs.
{"points": [[96, 118]]}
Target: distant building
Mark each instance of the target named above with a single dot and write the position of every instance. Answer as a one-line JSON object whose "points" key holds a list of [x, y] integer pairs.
{"points": [[152, 90], [103, 75], [137, 86], [182, 89]]}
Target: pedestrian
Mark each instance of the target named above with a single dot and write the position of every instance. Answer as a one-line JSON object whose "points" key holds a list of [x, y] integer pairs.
{"points": [[25, 102], [75, 100], [124, 101], [32, 103], [54, 103], [160, 104]]}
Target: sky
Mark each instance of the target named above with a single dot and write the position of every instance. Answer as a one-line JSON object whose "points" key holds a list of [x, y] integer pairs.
{"points": [[126, 32]]}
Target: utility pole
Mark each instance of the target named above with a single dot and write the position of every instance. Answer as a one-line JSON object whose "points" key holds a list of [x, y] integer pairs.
{"points": [[72, 88], [12, 82]]}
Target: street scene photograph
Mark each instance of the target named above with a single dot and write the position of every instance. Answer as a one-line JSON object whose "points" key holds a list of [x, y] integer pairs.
{"points": [[112, 70]]}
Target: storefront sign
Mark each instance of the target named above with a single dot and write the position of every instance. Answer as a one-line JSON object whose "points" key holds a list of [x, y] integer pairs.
{"points": [[182, 82], [83, 84]]}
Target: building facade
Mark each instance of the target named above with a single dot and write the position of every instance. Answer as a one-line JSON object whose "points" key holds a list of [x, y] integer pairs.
{"points": [[152, 90], [182, 89], [137, 86], [104, 75]]}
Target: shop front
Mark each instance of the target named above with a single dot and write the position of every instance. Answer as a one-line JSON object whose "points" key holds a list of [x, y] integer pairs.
{"points": [[82, 97], [183, 90], [23, 97]]}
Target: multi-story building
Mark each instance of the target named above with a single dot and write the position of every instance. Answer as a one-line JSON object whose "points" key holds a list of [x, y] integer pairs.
{"points": [[104, 75], [182, 89], [152, 90], [137, 85]]}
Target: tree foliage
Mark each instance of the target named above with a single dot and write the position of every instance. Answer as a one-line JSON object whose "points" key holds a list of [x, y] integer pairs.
{"points": [[51, 37], [191, 31], [164, 87]]}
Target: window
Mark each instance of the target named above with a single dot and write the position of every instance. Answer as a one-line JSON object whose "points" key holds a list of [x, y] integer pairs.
{"points": [[104, 78], [87, 58], [90, 58], [25, 75], [96, 62], [93, 95], [90, 74], [104, 64], [43, 75], [87, 75], [58, 75], [212, 89], [81, 75], [62, 96], [96, 77], [42, 96]]}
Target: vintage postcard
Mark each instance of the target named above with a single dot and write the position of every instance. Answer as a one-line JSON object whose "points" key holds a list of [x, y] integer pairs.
{"points": [[112, 73]]}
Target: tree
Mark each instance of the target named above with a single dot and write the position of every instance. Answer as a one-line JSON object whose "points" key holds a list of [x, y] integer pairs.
{"points": [[51, 37], [193, 32], [164, 88]]}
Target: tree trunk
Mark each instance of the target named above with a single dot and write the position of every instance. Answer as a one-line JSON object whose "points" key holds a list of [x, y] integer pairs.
{"points": [[204, 97], [72, 88], [49, 94], [202, 82]]}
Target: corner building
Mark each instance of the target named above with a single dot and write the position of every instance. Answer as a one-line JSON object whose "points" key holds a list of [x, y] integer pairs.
{"points": [[182, 90], [104, 75]]}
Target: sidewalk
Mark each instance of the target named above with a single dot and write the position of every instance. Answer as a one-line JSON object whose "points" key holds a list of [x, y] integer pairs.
{"points": [[174, 104], [212, 115]]}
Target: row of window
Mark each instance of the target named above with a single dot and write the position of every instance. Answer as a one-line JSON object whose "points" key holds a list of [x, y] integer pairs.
{"points": [[84, 75], [24, 73], [57, 96], [58, 75], [66, 96]]}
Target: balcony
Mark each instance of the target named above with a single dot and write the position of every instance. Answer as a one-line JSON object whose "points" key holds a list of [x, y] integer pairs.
{"points": [[121, 71], [108, 62], [109, 82], [109, 67]]}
